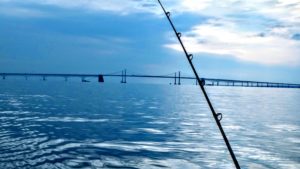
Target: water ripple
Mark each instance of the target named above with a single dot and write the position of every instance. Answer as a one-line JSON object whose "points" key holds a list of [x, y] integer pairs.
{"points": [[157, 127]]}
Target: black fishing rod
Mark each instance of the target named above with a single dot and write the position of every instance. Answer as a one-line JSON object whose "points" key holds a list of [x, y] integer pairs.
{"points": [[217, 116]]}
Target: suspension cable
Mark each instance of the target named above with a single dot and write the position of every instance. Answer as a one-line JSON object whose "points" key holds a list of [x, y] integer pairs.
{"points": [[217, 116]]}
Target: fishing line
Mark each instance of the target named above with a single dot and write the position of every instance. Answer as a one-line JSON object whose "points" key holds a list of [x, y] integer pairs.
{"points": [[217, 116]]}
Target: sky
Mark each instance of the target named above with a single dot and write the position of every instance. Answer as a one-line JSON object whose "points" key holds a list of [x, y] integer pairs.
{"points": [[230, 39]]}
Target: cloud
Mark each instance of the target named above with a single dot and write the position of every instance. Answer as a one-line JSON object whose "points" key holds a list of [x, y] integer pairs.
{"points": [[227, 40], [260, 31], [16, 11], [120, 6], [116, 6], [280, 9]]}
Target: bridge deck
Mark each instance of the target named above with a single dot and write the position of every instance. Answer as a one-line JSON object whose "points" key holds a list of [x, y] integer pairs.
{"points": [[208, 81]]}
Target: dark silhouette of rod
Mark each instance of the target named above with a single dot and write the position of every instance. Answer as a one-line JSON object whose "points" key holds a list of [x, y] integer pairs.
{"points": [[217, 116]]}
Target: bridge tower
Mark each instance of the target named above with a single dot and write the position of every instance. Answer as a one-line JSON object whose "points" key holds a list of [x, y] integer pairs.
{"points": [[175, 79], [124, 80], [179, 80]]}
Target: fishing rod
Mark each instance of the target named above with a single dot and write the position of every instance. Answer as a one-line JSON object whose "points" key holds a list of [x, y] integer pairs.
{"points": [[217, 116]]}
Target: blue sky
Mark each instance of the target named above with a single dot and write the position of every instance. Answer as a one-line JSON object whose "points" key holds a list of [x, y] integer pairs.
{"points": [[235, 39]]}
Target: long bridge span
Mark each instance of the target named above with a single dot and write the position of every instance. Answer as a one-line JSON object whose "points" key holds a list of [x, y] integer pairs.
{"points": [[176, 77]]}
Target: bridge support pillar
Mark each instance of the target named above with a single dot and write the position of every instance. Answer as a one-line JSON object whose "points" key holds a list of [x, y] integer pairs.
{"points": [[44, 78], [122, 76], [175, 79], [100, 79], [179, 80], [124, 80], [125, 76]]}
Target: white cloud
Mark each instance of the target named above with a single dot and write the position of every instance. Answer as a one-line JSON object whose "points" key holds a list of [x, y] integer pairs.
{"points": [[228, 41], [284, 10], [258, 31], [233, 31], [193, 5]]}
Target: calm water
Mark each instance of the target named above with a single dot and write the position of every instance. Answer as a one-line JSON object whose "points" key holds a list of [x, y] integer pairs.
{"points": [[76, 125]]}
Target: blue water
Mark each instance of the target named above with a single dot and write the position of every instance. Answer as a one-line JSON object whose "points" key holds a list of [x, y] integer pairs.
{"points": [[88, 125]]}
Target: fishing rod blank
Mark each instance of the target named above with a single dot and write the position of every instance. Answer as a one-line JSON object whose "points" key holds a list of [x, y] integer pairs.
{"points": [[217, 116]]}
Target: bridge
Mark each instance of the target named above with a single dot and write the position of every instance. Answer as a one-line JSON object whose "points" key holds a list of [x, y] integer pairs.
{"points": [[176, 77]]}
